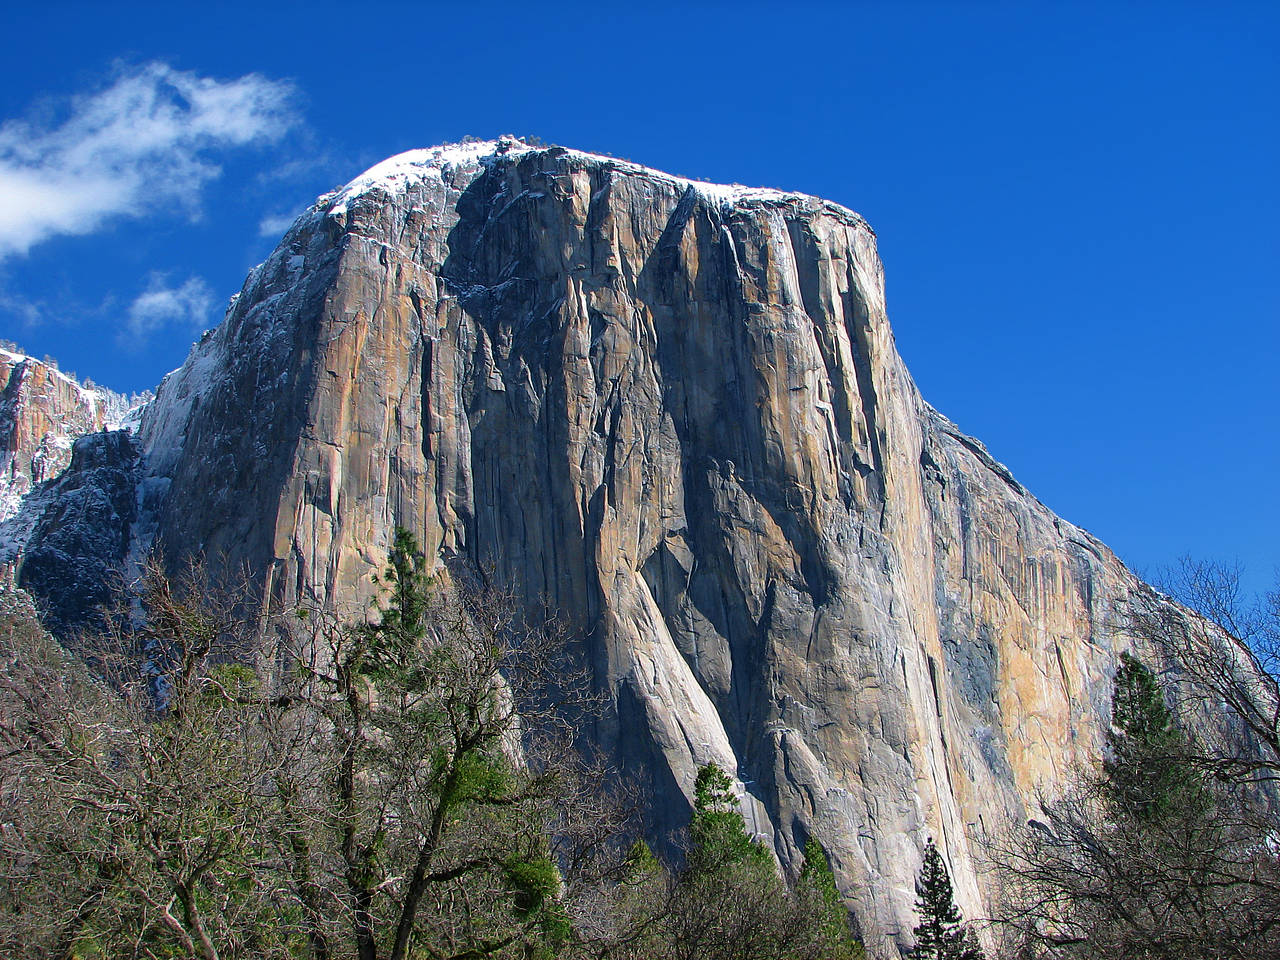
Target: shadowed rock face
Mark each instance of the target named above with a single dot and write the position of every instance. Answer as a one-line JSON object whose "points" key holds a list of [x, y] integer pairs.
{"points": [[80, 542], [676, 412]]}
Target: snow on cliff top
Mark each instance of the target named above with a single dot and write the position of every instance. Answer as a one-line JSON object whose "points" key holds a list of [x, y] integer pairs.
{"points": [[116, 409], [413, 166], [16, 358]]}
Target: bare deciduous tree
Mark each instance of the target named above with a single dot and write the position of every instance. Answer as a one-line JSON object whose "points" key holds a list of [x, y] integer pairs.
{"points": [[1166, 848], [136, 801], [1223, 663], [448, 811], [409, 782], [178, 794]]}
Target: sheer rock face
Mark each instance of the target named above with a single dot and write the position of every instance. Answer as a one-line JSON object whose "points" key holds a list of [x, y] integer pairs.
{"points": [[42, 411], [78, 540], [675, 411]]}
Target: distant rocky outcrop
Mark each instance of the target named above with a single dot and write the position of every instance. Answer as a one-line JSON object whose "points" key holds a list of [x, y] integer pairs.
{"points": [[43, 414], [42, 411], [675, 411]]}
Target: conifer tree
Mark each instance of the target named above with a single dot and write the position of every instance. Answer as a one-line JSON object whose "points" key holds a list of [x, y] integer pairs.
{"points": [[1147, 776], [941, 934], [434, 841], [1148, 857], [718, 830], [818, 881]]}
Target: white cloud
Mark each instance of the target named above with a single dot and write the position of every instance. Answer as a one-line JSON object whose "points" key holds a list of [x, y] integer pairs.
{"points": [[162, 305], [275, 224], [30, 313], [146, 141]]}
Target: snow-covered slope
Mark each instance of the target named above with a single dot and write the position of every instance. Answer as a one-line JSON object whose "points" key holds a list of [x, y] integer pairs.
{"points": [[413, 167]]}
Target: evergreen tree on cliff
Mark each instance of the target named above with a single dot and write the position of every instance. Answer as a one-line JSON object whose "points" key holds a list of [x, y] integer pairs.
{"points": [[718, 830], [941, 934], [1147, 775], [730, 902], [820, 899]]}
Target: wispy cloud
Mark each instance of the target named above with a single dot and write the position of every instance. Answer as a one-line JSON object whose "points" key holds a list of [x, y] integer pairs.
{"points": [[147, 140], [29, 313], [274, 224], [63, 308], [161, 305]]}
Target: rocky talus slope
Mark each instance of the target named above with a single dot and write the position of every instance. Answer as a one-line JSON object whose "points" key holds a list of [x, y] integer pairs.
{"points": [[674, 410]]}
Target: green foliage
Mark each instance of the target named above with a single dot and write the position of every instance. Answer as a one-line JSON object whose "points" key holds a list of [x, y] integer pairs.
{"points": [[394, 641], [640, 861], [718, 831], [235, 682], [941, 933], [818, 886], [480, 778], [1150, 856], [1146, 773], [536, 884], [422, 789], [731, 904]]}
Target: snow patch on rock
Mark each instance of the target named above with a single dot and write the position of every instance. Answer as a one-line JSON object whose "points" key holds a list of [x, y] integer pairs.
{"points": [[396, 174], [162, 424]]}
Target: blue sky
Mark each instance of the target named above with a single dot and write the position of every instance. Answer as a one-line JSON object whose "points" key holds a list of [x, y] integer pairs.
{"points": [[1076, 204]]}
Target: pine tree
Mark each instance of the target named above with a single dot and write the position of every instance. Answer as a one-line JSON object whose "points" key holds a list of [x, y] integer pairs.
{"points": [[730, 903], [394, 641], [942, 934], [818, 881], [718, 830], [420, 701], [1146, 774]]}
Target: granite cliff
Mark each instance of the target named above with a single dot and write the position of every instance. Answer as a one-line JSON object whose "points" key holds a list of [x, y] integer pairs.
{"points": [[42, 412], [675, 411]]}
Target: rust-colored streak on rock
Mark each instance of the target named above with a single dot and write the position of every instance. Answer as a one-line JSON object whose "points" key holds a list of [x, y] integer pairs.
{"points": [[676, 413]]}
